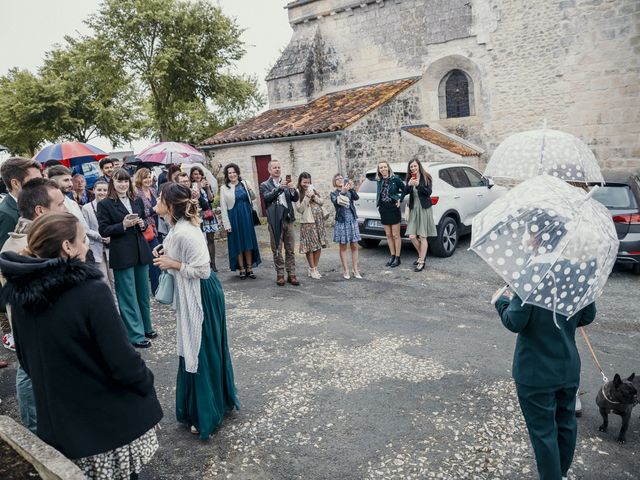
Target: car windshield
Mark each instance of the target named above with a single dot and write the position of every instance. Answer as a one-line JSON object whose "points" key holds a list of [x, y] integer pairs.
{"points": [[368, 186], [615, 196]]}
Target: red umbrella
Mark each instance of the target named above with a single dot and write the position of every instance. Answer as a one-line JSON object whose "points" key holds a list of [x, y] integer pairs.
{"points": [[70, 153]]}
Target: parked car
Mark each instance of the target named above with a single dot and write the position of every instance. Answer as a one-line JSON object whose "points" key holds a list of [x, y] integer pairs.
{"points": [[621, 195], [91, 172], [459, 193]]}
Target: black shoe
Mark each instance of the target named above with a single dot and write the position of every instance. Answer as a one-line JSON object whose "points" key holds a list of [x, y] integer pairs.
{"points": [[419, 267], [243, 275], [391, 260], [415, 263], [213, 267], [395, 262], [250, 274], [143, 344], [151, 334]]}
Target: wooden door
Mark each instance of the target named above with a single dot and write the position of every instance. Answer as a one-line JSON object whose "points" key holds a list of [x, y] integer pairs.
{"points": [[262, 167]]}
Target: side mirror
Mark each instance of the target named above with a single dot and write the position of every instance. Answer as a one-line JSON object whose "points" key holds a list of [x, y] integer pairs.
{"points": [[490, 182]]}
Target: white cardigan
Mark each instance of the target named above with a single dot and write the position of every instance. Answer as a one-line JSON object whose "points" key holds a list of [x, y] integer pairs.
{"points": [[228, 200]]}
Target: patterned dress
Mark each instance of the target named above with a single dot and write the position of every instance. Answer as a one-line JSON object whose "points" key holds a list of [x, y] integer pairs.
{"points": [[347, 231], [120, 463], [313, 236]]}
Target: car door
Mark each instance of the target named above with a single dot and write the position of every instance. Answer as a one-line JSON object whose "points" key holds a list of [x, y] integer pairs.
{"points": [[478, 190], [464, 196]]}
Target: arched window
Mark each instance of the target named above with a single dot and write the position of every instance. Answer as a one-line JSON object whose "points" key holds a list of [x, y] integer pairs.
{"points": [[457, 95]]}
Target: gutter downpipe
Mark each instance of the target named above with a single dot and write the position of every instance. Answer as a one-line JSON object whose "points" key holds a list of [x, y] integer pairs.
{"points": [[339, 153]]}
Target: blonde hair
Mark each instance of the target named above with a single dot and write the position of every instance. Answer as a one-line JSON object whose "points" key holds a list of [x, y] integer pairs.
{"points": [[378, 175]]}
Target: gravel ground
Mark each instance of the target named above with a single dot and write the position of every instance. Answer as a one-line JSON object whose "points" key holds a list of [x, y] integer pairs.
{"points": [[400, 375]]}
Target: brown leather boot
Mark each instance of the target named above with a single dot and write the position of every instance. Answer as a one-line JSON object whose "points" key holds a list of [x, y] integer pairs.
{"points": [[293, 280], [280, 281]]}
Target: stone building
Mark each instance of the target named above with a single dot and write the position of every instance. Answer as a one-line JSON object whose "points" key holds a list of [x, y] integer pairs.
{"points": [[367, 80]]}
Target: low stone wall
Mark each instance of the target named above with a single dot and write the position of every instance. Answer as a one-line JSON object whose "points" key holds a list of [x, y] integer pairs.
{"points": [[48, 462]]}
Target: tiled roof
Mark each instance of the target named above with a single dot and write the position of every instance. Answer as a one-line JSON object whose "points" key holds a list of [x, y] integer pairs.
{"points": [[442, 140], [329, 113]]}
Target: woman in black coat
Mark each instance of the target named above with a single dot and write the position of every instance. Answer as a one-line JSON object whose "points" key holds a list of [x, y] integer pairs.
{"points": [[95, 398], [120, 217], [420, 223]]}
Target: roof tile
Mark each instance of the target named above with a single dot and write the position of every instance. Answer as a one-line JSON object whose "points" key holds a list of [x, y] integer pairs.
{"points": [[442, 140]]}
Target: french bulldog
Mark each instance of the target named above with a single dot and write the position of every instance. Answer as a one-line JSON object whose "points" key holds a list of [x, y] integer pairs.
{"points": [[617, 396]]}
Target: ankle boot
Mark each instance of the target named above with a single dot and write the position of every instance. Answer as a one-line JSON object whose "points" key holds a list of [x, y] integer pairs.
{"points": [[395, 262], [391, 260]]}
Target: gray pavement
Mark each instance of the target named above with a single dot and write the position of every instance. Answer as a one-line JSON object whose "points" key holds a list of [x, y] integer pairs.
{"points": [[400, 375]]}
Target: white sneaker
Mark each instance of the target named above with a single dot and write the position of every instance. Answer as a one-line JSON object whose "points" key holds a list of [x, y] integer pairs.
{"points": [[578, 406], [8, 343]]}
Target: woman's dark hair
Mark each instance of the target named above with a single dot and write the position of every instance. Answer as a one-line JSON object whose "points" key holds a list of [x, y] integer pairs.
{"points": [[195, 169], [225, 172], [48, 232], [120, 174], [171, 171], [423, 173], [100, 182], [302, 189], [181, 205]]}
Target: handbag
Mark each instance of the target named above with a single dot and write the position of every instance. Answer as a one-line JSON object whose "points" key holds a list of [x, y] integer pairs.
{"points": [[343, 200], [256, 219], [164, 293], [149, 234]]}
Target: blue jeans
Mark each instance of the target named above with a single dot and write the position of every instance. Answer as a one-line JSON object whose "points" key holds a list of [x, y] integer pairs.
{"points": [[26, 399]]}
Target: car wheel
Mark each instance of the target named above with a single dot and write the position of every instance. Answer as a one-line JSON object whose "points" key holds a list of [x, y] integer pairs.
{"points": [[369, 242], [447, 240]]}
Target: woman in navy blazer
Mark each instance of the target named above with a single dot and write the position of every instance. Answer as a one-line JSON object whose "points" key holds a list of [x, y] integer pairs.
{"points": [[129, 255]]}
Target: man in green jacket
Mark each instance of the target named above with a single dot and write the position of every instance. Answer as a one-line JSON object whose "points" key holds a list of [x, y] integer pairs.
{"points": [[546, 369]]}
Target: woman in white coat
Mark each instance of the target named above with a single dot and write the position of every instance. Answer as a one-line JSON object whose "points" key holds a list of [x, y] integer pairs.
{"points": [[98, 244], [236, 197]]}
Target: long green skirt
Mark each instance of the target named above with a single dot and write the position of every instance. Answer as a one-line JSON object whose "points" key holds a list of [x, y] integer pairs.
{"points": [[203, 398]]}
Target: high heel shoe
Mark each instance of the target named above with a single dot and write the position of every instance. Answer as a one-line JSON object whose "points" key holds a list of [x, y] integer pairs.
{"points": [[309, 270], [315, 274], [345, 274], [356, 274], [250, 274], [243, 275], [419, 266]]}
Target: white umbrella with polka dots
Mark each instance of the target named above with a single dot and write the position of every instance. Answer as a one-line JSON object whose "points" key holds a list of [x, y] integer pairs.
{"points": [[527, 154], [552, 243]]}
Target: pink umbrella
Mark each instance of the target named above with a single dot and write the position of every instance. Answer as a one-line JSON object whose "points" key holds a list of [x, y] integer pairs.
{"points": [[170, 152]]}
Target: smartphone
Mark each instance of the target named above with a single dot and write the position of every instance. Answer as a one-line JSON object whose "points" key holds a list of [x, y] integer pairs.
{"points": [[194, 186], [132, 216], [287, 178], [345, 181], [414, 175]]}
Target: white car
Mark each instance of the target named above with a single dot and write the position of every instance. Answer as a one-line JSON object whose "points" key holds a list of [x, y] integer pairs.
{"points": [[459, 193]]}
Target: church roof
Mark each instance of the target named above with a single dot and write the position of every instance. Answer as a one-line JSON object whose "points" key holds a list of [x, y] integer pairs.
{"points": [[330, 113], [448, 142]]}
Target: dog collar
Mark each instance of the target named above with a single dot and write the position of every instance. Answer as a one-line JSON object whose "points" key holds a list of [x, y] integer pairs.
{"points": [[605, 395]]}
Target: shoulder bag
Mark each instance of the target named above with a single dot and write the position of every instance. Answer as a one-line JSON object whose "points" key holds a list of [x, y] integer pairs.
{"points": [[164, 293]]}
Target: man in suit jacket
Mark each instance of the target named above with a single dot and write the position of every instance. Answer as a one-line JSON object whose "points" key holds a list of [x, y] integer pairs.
{"points": [[15, 172], [279, 196]]}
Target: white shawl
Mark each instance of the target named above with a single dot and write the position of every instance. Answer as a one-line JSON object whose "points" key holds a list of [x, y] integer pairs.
{"points": [[186, 243]]}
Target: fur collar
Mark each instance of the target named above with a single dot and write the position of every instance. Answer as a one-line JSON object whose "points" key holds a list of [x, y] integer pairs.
{"points": [[36, 283]]}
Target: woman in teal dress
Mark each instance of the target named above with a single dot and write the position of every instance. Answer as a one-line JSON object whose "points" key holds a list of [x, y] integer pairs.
{"points": [[205, 389]]}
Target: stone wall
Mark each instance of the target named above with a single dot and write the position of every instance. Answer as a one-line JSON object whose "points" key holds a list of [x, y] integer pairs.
{"points": [[316, 156], [573, 63]]}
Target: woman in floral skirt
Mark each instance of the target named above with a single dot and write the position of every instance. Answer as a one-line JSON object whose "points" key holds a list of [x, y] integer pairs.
{"points": [[313, 235], [346, 230]]}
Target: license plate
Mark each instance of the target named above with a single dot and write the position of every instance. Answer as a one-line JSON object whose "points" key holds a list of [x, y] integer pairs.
{"points": [[375, 224]]}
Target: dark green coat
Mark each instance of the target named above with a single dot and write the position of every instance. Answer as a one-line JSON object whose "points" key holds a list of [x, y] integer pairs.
{"points": [[545, 356], [396, 189], [8, 217]]}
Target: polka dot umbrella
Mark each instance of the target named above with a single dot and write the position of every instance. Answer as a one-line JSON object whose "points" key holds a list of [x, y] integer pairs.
{"points": [[551, 242], [525, 155]]}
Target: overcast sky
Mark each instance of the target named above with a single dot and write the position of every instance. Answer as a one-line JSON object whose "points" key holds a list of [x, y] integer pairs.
{"points": [[29, 28]]}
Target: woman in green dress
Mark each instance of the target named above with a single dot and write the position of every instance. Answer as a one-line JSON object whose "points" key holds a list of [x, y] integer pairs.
{"points": [[205, 389], [420, 224]]}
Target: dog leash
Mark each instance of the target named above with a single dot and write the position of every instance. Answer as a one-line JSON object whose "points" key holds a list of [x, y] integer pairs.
{"points": [[593, 354]]}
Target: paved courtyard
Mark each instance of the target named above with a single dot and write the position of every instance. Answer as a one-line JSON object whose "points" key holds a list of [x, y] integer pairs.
{"points": [[401, 375]]}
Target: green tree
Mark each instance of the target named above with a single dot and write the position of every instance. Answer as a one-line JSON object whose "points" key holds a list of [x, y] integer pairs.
{"points": [[182, 54], [29, 106], [98, 94]]}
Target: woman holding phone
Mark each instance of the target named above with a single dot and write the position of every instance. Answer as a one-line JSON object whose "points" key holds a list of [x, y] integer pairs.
{"points": [[313, 235], [346, 230], [420, 224], [388, 197], [120, 217]]}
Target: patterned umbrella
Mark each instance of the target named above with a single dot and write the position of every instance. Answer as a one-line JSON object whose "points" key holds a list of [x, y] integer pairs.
{"points": [[525, 155], [551, 242], [171, 152], [70, 153]]}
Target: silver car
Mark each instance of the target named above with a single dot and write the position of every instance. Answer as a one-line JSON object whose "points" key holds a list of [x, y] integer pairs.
{"points": [[459, 193]]}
